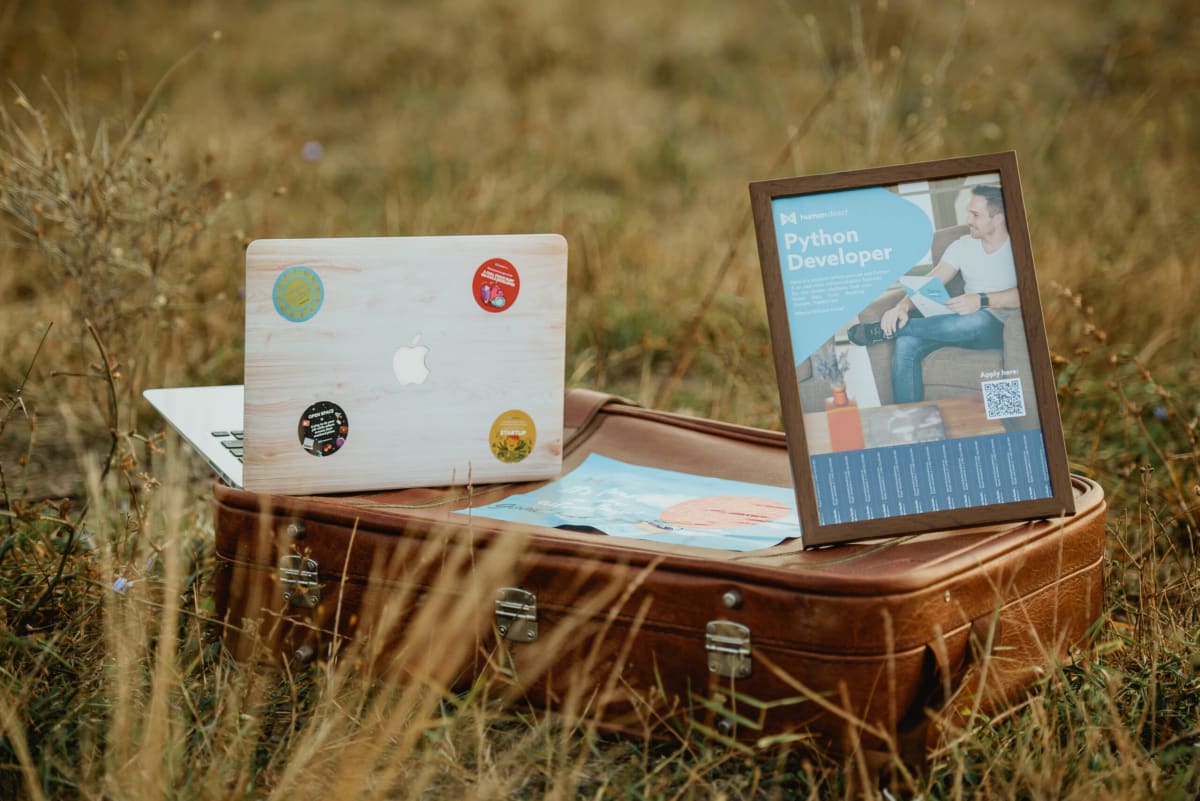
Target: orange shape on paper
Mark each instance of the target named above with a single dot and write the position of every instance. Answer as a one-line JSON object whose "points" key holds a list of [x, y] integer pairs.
{"points": [[723, 511]]}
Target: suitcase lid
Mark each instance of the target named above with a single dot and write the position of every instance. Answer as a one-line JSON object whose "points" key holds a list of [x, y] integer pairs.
{"points": [[595, 422]]}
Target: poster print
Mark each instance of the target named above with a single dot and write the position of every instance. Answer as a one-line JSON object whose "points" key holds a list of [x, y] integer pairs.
{"points": [[608, 496], [910, 349]]}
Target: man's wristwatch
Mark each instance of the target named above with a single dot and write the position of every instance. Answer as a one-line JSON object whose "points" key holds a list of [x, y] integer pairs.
{"points": [[983, 300]]}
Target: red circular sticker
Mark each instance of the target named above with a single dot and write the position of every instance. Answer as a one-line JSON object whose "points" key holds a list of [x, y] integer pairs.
{"points": [[496, 285]]}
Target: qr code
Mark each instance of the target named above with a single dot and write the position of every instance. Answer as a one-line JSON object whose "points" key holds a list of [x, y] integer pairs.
{"points": [[1003, 399]]}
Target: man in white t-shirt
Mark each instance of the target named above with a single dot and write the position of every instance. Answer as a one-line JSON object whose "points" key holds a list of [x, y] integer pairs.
{"points": [[984, 258]]}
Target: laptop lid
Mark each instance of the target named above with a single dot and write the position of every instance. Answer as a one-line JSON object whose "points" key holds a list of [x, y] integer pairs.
{"points": [[375, 363]]}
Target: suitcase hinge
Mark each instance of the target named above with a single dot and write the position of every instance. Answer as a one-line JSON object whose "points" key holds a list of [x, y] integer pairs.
{"points": [[516, 614], [298, 578], [728, 646]]}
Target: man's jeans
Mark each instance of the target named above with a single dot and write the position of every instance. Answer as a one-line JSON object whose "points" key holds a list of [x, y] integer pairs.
{"points": [[979, 330]]}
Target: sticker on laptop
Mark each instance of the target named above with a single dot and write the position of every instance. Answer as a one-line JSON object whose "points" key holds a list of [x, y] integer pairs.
{"points": [[513, 436], [323, 428], [496, 285], [298, 293]]}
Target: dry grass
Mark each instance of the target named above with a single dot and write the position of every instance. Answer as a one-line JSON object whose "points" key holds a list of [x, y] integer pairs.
{"points": [[633, 130]]}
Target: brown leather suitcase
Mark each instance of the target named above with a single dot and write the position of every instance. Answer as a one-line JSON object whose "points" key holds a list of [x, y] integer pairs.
{"points": [[855, 645]]}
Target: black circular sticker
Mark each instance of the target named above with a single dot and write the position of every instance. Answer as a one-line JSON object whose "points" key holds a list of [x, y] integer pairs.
{"points": [[323, 428]]}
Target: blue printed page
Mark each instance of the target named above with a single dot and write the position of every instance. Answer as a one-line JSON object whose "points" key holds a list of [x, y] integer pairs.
{"points": [[646, 503]]}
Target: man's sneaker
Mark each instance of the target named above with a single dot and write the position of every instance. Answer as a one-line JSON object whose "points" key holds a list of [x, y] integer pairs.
{"points": [[867, 334]]}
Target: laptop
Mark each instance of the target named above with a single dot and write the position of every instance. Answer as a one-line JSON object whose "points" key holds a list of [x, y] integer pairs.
{"points": [[389, 362]]}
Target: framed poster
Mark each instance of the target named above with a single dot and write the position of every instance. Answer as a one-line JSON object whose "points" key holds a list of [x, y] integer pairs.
{"points": [[910, 349]]}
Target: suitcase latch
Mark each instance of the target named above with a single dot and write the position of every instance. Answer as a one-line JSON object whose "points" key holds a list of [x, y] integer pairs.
{"points": [[516, 614], [728, 646], [299, 580]]}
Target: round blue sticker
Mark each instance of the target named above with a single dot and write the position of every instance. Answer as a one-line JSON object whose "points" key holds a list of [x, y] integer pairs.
{"points": [[298, 293]]}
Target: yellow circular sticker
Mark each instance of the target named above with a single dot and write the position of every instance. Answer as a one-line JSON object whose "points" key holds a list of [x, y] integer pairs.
{"points": [[513, 436]]}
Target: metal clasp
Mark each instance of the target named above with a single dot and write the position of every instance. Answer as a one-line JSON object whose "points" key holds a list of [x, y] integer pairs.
{"points": [[299, 580], [728, 647], [516, 614]]}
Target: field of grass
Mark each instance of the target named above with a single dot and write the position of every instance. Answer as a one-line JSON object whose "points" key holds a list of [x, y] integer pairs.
{"points": [[143, 144]]}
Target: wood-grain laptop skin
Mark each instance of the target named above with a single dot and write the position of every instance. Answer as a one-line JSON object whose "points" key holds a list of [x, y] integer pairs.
{"points": [[385, 362]]}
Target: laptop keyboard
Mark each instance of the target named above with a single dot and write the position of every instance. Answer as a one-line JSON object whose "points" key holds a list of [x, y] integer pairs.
{"points": [[232, 440]]}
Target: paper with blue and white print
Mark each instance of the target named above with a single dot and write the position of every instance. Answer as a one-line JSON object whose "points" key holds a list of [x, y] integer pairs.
{"points": [[627, 500]]}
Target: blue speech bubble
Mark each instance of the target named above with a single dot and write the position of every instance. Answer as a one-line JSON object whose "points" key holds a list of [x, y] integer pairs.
{"points": [[838, 252]]}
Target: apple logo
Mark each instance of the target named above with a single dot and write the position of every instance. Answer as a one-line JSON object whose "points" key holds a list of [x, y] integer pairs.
{"points": [[408, 363]]}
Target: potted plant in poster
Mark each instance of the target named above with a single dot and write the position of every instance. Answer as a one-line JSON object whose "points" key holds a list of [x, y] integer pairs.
{"points": [[841, 411]]}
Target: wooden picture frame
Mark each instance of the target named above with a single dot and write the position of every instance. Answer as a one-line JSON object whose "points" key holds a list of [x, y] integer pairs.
{"points": [[949, 422]]}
